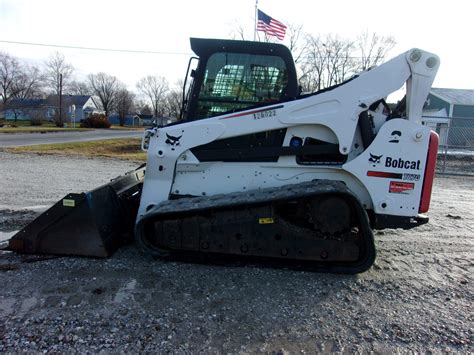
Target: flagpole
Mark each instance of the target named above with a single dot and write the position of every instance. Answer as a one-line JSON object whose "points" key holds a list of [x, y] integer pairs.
{"points": [[255, 21]]}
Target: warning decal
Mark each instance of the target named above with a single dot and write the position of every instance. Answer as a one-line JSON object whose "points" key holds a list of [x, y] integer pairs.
{"points": [[398, 187]]}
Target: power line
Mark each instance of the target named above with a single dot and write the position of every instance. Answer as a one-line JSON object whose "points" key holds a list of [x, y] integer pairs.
{"points": [[94, 48]]}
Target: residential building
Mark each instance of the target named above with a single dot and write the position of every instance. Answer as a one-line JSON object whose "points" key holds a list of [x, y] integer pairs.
{"points": [[451, 113], [75, 108]]}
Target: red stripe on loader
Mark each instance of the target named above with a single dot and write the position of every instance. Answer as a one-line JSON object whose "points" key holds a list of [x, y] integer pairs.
{"points": [[429, 173]]}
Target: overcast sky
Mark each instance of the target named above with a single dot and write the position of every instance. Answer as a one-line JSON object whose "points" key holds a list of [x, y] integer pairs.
{"points": [[445, 28]]}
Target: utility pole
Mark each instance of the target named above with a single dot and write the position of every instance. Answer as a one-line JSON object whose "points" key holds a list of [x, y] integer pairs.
{"points": [[61, 99]]}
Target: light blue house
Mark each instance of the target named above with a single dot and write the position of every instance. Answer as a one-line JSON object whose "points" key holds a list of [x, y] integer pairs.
{"points": [[74, 107]]}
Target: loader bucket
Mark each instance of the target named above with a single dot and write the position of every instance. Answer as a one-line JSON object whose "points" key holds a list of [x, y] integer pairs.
{"points": [[93, 223]]}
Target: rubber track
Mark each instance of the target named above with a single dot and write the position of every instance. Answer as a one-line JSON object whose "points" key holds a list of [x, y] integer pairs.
{"points": [[184, 207]]}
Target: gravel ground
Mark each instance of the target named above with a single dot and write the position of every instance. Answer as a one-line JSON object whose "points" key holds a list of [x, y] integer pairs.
{"points": [[417, 297], [35, 181]]}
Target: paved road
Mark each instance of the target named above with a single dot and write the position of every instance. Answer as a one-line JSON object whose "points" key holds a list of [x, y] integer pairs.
{"points": [[23, 139]]}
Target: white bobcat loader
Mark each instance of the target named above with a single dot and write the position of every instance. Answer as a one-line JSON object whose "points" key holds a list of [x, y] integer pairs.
{"points": [[255, 168]]}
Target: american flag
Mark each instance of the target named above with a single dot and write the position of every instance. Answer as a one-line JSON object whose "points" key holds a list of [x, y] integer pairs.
{"points": [[270, 26]]}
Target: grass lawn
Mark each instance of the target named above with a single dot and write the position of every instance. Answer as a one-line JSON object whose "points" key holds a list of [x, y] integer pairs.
{"points": [[23, 126], [128, 149], [128, 128], [25, 123], [40, 129]]}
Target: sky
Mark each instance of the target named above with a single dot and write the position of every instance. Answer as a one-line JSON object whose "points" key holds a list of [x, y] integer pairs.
{"points": [[444, 28]]}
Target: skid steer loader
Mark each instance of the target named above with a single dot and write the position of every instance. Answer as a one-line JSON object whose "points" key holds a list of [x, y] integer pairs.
{"points": [[256, 168]]}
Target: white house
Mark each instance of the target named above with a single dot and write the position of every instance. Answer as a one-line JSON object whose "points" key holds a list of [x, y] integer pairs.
{"points": [[76, 107]]}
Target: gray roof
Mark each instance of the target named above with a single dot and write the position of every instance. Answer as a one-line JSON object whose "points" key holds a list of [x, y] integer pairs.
{"points": [[24, 103], [52, 100], [455, 96], [78, 100]]}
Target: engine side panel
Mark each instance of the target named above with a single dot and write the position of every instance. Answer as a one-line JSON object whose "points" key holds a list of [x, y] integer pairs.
{"points": [[393, 167]]}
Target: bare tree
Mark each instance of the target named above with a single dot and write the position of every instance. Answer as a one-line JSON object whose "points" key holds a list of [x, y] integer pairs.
{"points": [[373, 48], [105, 87], [79, 88], [17, 81], [296, 43], [174, 100], [342, 64], [10, 72], [57, 68], [124, 104], [29, 83], [58, 74], [237, 31], [327, 61], [27, 86], [143, 108], [154, 88]]}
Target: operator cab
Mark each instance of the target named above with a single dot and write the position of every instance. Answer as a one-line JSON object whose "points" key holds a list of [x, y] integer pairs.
{"points": [[237, 75]]}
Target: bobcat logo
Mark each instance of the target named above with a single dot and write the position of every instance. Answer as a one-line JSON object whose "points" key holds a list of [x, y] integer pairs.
{"points": [[375, 159], [173, 141]]}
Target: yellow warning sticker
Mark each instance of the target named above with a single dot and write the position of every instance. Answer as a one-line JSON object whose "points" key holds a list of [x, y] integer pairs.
{"points": [[267, 220], [69, 203]]}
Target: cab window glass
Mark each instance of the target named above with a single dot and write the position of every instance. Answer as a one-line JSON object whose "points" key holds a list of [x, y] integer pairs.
{"points": [[234, 81]]}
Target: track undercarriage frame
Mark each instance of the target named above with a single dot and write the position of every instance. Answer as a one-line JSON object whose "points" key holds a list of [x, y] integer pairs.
{"points": [[282, 223]]}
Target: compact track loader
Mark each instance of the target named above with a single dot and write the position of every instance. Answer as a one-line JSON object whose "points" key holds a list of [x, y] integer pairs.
{"points": [[256, 168]]}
